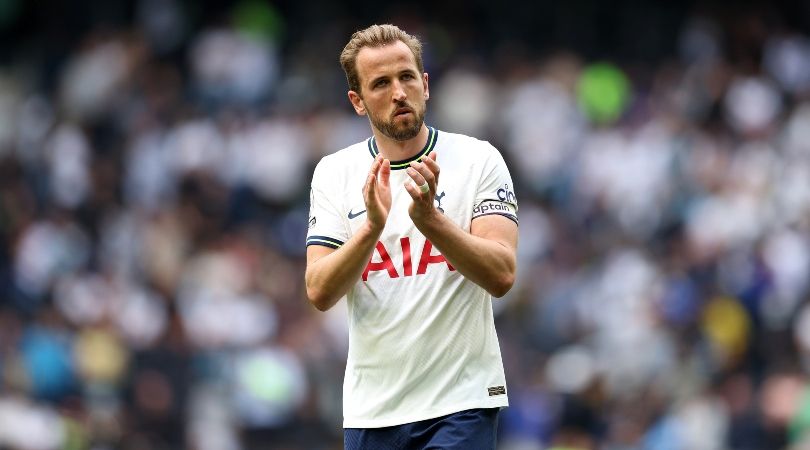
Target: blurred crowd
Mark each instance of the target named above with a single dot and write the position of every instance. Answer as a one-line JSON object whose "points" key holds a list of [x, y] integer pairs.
{"points": [[154, 180]]}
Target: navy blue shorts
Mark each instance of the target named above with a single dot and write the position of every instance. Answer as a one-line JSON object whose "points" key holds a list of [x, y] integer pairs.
{"points": [[473, 429]]}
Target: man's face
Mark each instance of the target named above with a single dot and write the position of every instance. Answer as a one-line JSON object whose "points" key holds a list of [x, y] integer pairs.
{"points": [[392, 91]]}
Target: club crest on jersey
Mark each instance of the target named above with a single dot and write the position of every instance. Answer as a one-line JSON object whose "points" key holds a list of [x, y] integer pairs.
{"points": [[438, 199]]}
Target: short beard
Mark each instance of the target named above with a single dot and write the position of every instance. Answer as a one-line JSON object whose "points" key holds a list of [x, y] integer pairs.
{"points": [[390, 130]]}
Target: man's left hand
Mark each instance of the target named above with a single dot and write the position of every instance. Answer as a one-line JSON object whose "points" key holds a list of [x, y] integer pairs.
{"points": [[425, 177]]}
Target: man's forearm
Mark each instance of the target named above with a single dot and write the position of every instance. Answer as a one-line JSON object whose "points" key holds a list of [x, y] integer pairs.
{"points": [[488, 263], [330, 277]]}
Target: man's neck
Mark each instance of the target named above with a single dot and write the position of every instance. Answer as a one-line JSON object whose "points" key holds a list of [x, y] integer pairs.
{"points": [[398, 150]]}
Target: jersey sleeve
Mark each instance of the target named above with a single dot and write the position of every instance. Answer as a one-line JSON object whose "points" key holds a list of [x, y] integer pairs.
{"points": [[496, 193], [326, 225]]}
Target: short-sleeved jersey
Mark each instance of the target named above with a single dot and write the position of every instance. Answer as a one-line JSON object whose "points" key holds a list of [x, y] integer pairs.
{"points": [[422, 340]]}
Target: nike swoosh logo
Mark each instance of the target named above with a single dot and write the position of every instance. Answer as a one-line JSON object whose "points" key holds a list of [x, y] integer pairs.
{"points": [[352, 216]]}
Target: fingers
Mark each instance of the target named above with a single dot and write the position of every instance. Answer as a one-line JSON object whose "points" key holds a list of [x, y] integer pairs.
{"points": [[375, 166], [420, 175], [424, 198], [431, 164], [422, 204], [369, 189], [385, 172], [426, 171], [417, 177], [413, 191], [377, 185]]}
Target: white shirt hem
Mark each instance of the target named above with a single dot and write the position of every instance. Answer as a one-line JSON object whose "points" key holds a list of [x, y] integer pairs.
{"points": [[430, 414]]}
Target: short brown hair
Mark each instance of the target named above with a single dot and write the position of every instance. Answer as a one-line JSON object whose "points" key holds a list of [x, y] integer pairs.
{"points": [[376, 36]]}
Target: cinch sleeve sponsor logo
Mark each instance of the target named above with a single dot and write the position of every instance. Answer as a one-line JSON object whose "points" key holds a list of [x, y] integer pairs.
{"points": [[506, 195]]}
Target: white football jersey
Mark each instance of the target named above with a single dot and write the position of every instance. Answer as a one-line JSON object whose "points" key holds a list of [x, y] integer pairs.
{"points": [[422, 341]]}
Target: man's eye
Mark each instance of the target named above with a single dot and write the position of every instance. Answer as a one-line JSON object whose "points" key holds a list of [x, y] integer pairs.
{"points": [[407, 76], [381, 83]]}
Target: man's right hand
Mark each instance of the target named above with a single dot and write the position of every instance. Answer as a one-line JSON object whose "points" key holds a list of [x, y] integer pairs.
{"points": [[377, 193], [332, 272]]}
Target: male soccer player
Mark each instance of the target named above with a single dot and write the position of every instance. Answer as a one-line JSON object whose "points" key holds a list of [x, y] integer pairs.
{"points": [[417, 257]]}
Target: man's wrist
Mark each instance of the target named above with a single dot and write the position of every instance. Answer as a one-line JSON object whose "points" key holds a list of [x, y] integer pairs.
{"points": [[429, 220], [370, 229]]}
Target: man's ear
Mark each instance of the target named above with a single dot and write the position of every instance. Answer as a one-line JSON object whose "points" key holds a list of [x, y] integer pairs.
{"points": [[357, 102], [425, 83]]}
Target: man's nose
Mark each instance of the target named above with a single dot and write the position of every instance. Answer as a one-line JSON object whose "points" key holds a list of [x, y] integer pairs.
{"points": [[399, 92]]}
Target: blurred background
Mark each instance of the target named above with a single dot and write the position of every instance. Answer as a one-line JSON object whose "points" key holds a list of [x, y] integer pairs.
{"points": [[155, 159]]}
